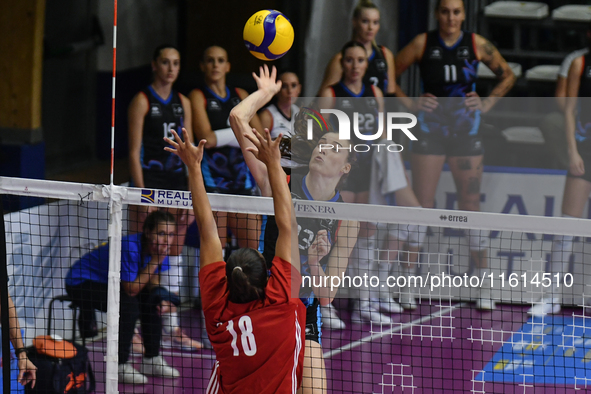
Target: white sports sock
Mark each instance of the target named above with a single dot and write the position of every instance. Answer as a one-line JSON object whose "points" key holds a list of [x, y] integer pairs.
{"points": [[478, 239], [171, 279], [561, 250], [362, 262], [170, 321]]}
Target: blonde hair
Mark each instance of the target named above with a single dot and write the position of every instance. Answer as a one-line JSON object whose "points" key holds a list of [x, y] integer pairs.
{"points": [[361, 5]]}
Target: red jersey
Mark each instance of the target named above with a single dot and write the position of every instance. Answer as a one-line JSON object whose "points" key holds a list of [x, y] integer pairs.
{"points": [[259, 345]]}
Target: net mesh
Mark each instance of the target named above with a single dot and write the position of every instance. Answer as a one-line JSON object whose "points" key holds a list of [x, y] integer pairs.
{"points": [[404, 316]]}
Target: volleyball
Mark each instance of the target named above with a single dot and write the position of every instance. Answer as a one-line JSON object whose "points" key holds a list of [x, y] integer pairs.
{"points": [[268, 34]]}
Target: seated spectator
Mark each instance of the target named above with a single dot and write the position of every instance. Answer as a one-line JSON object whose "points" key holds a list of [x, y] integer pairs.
{"points": [[143, 257]]}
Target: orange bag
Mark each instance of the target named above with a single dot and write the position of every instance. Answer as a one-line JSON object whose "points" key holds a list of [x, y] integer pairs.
{"points": [[50, 346]]}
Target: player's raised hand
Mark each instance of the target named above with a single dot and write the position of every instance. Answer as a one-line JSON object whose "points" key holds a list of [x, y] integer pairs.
{"points": [[320, 247], [190, 154], [267, 81], [265, 149]]}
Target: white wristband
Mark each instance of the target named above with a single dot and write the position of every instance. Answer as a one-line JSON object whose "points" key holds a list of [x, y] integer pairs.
{"points": [[226, 137]]}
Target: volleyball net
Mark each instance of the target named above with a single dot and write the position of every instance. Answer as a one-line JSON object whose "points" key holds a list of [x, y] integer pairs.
{"points": [[437, 263]]}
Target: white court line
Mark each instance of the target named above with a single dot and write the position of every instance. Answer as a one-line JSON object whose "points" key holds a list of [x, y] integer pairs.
{"points": [[370, 338]]}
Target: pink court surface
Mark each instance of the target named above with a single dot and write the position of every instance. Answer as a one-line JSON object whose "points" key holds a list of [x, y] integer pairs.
{"points": [[438, 348]]}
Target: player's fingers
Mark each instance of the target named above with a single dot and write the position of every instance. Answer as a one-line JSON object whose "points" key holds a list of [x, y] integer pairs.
{"points": [[176, 136], [428, 105], [267, 135], [256, 142], [424, 100], [185, 135], [171, 142], [251, 138], [201, 145], [277, 142], [259, 135], [253, 150], [175, 140]]}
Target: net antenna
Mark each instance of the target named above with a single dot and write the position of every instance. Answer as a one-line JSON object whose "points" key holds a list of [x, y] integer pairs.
{"points": [[113, 92], [114, 278]]}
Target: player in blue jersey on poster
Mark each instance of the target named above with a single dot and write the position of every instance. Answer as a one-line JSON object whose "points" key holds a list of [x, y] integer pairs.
{"points": [[449, 115]]}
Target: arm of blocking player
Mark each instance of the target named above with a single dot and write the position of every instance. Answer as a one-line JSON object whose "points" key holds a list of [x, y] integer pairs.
{"points": [[267, 151], [191, 155]]}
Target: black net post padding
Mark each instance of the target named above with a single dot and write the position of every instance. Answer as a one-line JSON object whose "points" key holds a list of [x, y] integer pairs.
{"points": [[4, 320]]}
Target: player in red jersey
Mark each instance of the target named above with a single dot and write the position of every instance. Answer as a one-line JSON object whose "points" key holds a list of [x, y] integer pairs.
{"points": [[254, 324]]}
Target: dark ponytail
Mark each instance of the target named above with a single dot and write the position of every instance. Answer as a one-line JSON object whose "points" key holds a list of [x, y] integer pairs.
{"points": [[246, 271]]}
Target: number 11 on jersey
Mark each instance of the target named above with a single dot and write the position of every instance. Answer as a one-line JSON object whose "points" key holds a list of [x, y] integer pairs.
{"points": [[249, 345], [451, 73]]}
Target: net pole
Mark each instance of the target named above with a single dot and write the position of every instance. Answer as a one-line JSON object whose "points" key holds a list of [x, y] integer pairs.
{"points": [[4, 320], [115, 228], [114, 296]]}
